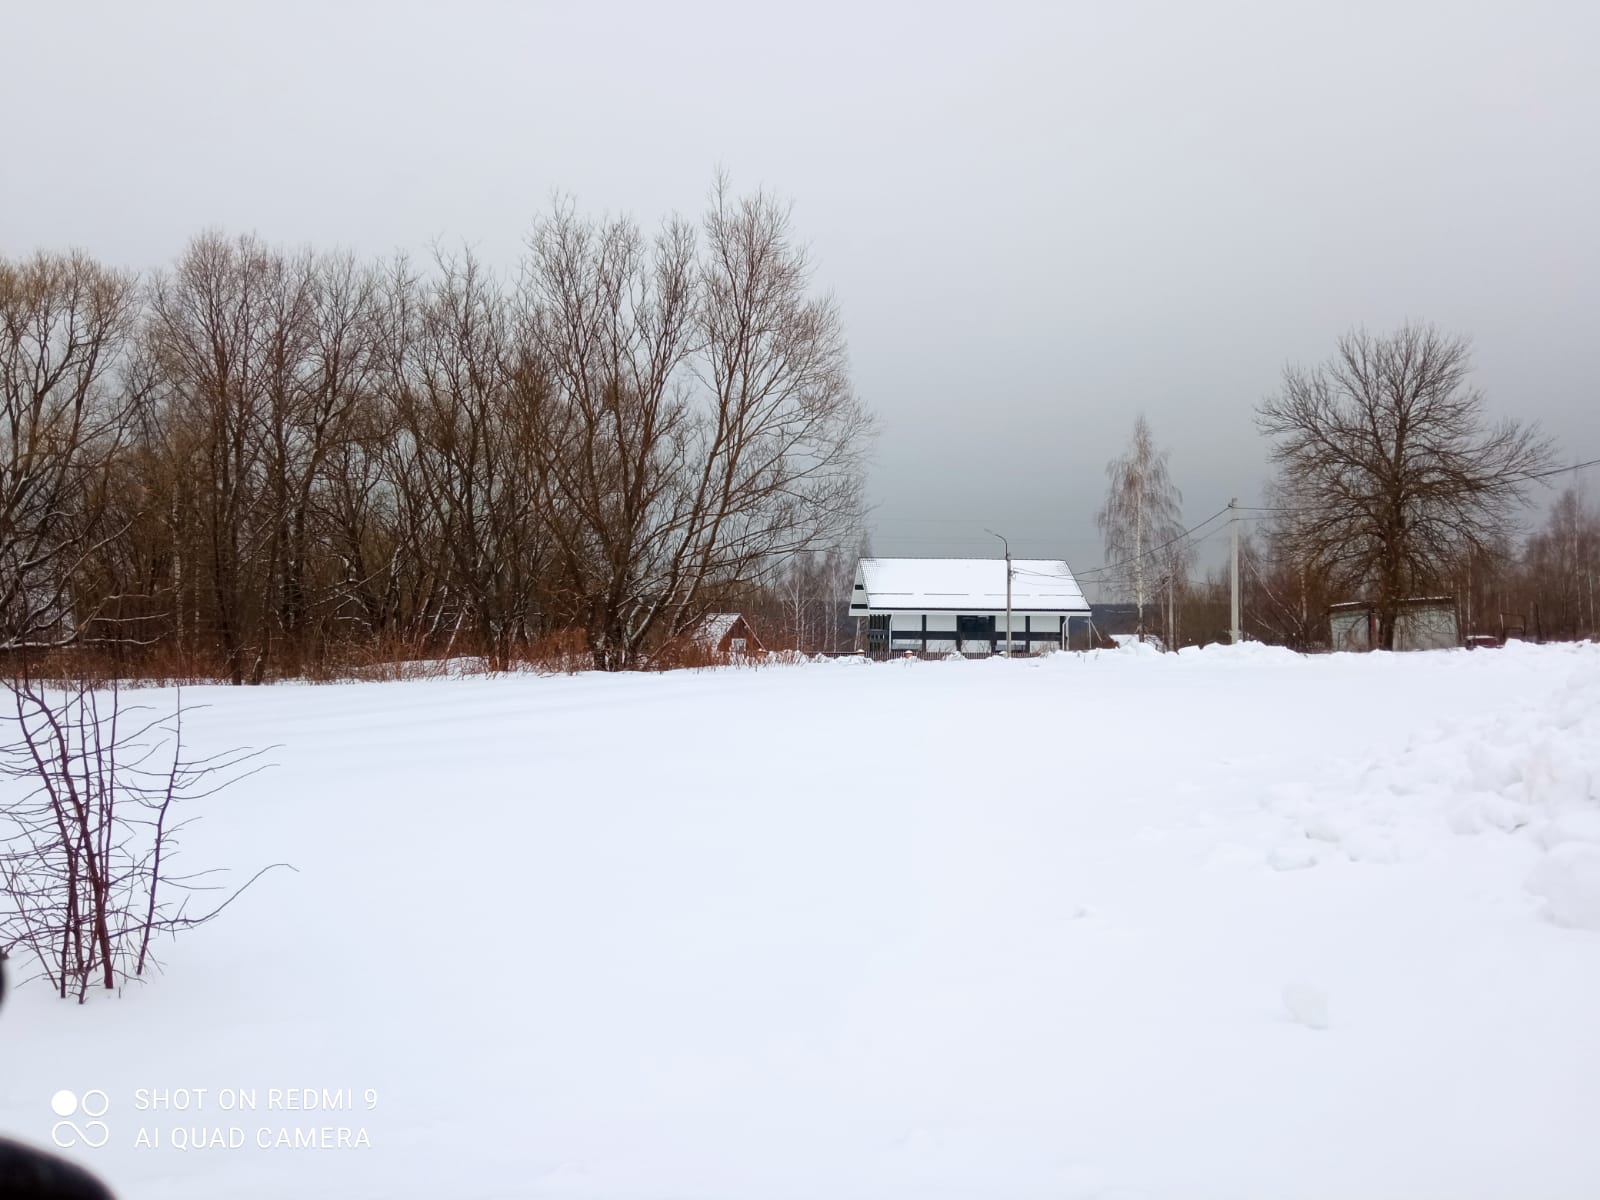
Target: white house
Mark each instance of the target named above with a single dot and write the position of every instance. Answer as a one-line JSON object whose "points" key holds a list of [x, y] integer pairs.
{"points": [[939, 605]]}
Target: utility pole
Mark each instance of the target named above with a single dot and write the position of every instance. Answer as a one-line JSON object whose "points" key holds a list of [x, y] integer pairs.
{"points": [[1172, 623], [1007, 545], [1234, 635]]}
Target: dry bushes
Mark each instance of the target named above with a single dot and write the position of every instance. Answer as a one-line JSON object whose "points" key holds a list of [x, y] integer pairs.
{"points": [[89, 828]]}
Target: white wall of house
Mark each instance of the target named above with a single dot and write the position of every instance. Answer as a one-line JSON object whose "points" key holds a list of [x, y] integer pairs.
{"points": [[905, 631], [919, 603]]}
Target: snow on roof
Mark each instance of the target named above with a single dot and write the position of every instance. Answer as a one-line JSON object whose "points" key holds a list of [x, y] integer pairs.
{"points": [[714, 628], [972, 583]]}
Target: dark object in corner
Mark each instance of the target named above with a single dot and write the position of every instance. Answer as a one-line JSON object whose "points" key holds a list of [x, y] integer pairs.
{"points": [[27, 1174]]}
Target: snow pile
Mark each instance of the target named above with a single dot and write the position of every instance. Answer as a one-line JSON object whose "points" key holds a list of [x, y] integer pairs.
{"points": [[1568, 879], [1533, 773], [1128, 643], [1253, 654], [844, 660], [1306, 1004]]}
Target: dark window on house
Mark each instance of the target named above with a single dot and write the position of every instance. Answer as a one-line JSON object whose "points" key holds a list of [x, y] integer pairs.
{"points": [[974, 627], [877, 631]]}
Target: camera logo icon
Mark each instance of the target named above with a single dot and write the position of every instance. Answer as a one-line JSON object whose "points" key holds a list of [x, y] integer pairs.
{"points": [[89, 1108]]}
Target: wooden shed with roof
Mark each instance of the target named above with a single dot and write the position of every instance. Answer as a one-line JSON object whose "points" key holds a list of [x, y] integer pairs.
{"points": [[727, 633]]}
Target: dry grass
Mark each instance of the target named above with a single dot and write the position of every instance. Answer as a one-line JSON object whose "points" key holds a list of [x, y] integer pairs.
{"points": [[565, 652]]}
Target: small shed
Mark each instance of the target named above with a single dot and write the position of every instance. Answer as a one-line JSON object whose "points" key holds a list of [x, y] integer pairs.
{"points": [[1423, 623], [727, 633]]}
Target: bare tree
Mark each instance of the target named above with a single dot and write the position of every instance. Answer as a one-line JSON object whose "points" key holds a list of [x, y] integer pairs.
{"points": [[1141, 518], [1488, 585], [699, 427], [64, 322], [1285, 594], [1561, 567], [785, 440], [217, 327], [608, 323], [324, 351], [465, 465], [1395, 472]]}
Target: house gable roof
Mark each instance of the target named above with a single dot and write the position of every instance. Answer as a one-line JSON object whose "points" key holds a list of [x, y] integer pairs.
{"points": [[973, 584], [716, 626]]}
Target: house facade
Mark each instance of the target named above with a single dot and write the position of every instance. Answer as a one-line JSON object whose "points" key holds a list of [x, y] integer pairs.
{"points": [[958, 605]]}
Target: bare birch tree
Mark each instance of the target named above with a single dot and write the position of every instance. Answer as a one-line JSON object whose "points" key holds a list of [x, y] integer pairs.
{"points": [[1141, 518]]}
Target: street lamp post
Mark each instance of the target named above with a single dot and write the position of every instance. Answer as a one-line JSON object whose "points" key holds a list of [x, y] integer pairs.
{"points": [[1007, 545]]}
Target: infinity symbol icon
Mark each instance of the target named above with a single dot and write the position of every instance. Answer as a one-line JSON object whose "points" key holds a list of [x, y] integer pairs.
{"points": [[92, 1133]]}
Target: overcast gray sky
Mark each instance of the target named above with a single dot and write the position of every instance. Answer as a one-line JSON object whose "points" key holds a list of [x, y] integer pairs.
{"points": [[1039, 219]]}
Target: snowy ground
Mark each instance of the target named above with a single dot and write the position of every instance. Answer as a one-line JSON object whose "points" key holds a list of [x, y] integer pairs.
{"points": [[1220, 924]]}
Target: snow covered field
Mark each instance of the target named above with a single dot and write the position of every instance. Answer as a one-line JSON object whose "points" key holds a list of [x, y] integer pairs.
{"points": [[1223, 924]]}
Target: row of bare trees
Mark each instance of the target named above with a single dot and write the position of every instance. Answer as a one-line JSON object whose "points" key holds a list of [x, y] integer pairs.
{"points": [[260, 459]]}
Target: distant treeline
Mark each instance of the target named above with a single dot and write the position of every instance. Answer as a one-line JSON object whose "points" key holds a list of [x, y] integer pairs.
{"points": [[257, 461]]}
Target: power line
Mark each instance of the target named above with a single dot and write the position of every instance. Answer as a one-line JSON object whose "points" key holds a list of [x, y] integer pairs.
{"points": [[934, 520], [1155, 549], [1291, 510], [1212, 536], [970, 539], [1092, 573], [1593, 462]]}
